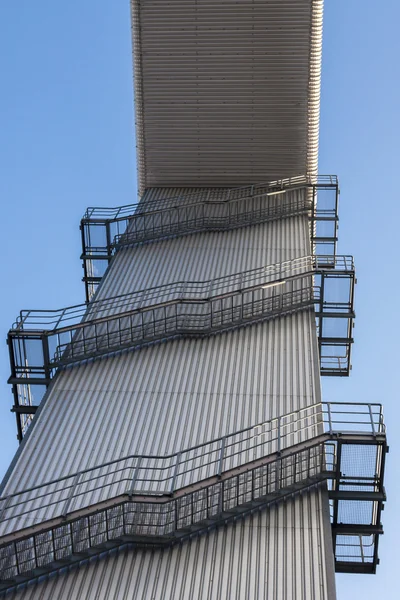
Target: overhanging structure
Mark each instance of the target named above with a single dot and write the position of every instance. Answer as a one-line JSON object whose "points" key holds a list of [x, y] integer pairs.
{"points": [[226, 93]]}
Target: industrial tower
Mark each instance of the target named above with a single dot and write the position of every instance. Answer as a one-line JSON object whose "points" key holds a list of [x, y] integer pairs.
{"points": [[174, 443]]}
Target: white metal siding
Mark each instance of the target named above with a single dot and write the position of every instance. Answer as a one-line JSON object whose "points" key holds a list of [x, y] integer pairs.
{"points": [[128, 403], [174, 395], [226, 92]]}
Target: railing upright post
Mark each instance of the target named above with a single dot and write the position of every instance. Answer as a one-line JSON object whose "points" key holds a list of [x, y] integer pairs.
{"points": [[46, 356], [329, 418], [322, 457], [371, 416], [381, 421], [53, 544], [71, 495], [221, 497], [221, 457], [16, 558], [175, 514], [295, 467], [178, 458], [71, 537], [35, 548], [279, 435], [134, 478]]}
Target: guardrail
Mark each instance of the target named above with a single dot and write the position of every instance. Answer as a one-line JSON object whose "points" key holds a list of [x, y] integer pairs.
{"points": [[52, 320], [41, 341], [149, 474], [213, 195], [104, 230], [238, 482]]}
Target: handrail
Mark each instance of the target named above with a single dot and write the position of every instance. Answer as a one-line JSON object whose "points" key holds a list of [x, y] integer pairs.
{"points": [[53, 319], [120, 212], [155, 474], [46, 543], [180, 309], [164, 520]]}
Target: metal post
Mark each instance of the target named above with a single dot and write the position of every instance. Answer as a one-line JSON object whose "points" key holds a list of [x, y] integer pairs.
{"points": [[279, 435], [108, 240], [372, 419], [221, 457], [221, 497], [176, 514], [134, 478], [70, 495], [35, 552], [71, 535], [46, 356], [84, 261], [361, 549], [178, 458], [16, 558], [329, 417], [294, 468]]}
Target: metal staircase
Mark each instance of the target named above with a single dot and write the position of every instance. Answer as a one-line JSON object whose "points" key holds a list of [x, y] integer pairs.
{"points": [[42, 341], [105, 230], [159, 501]]}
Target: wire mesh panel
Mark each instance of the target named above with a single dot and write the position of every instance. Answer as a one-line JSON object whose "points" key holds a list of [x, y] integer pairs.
{"points": [[42, 341], [170, 516]]}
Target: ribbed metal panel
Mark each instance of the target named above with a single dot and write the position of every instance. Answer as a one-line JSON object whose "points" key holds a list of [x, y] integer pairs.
{"points": [[204, 256], [171, 396], [168, 397], [226, 92], [279, 554], [174, 395]]}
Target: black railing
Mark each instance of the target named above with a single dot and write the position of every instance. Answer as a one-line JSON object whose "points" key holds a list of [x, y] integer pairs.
{"points": [[53, 527], [104, 230], [42, 341]]}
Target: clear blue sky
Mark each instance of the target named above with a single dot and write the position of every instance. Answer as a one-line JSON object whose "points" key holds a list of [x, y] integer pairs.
{"points": [[67, 141]]}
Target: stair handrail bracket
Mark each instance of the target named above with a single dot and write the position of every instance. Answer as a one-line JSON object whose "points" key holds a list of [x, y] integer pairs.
{"points": [[162, 500]]}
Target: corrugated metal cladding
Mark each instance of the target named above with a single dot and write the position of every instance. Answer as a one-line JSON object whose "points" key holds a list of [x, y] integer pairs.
{"points": [[204, 256], [171, 396], [226, 92], [174, 395], [279, 554]]}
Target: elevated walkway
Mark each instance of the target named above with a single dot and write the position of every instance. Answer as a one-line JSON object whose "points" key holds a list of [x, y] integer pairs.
{"points": [[105, 230], [42, 341], [159, 501]]}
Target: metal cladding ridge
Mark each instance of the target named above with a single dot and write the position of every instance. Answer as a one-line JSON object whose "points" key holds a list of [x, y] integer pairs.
{"points": [[217, 565], [314, 97], [227, 93], [170, 396], [288, 66]]}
